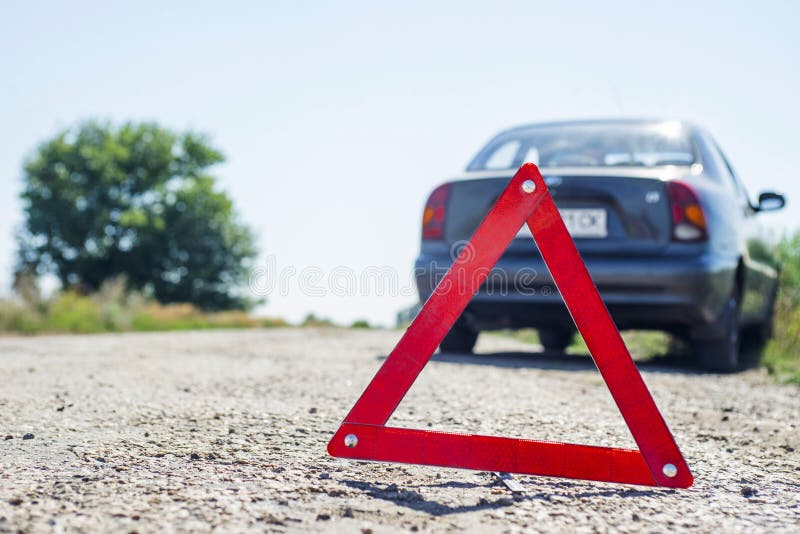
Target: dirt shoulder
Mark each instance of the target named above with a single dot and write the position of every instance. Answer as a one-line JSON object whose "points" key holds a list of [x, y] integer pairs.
{"points": [[227, 429]]}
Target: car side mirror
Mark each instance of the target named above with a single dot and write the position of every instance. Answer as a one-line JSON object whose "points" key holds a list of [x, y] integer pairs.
{"points": [[770, 201]]}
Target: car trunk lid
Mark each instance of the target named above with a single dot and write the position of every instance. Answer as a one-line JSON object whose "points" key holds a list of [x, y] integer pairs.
{"points": [[608, 211]]}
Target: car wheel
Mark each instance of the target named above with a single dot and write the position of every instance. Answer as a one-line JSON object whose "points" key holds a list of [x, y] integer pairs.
{"points": [[460, 339], [555, 339], [722, 355]]}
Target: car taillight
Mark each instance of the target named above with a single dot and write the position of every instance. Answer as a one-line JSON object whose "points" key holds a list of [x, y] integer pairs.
{"points": [[688, 219], [433, 216]]}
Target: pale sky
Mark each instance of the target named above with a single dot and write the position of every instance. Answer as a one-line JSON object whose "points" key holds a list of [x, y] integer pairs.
{"points": [[338, 118]]}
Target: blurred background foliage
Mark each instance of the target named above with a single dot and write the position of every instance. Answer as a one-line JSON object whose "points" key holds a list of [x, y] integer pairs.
{"points": [[113, 308], [782, 355], [101, 201]]}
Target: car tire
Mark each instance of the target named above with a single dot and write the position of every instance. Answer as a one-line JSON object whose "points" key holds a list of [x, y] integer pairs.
{"points": [[460, 339], [722, 355], [555, 339]]}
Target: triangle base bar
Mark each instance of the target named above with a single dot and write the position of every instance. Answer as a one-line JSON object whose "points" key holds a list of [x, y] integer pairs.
{"points": [[490, 453]]}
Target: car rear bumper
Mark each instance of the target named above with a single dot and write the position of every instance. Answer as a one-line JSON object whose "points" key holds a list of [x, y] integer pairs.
{"points": [[681, 293]]}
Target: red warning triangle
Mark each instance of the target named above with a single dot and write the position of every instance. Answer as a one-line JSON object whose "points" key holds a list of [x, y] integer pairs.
{"points": [[364, 435]]}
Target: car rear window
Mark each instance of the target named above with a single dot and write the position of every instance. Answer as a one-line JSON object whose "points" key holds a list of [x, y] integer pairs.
{"points": [[589, 145]]}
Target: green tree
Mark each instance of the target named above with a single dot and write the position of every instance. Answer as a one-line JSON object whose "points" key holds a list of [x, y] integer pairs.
{"points": [[136, 200]]}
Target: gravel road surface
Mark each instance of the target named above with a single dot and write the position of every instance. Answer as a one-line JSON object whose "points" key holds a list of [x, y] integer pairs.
{"points": [[227, 430]]}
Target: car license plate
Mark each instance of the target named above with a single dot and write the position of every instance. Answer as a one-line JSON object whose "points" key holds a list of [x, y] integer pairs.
{"points": [[580, 222]]}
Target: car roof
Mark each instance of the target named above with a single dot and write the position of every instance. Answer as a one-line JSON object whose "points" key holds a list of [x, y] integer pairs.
{"points": [[597, 122]]}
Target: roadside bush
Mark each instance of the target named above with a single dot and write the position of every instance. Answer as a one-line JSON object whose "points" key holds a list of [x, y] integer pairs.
{"points": [[780, 356], [187, 317], [271, 322], [112, 309], [312, 320], [167, 317], [788, 251], [16, 317], [70, 312], [116, 305]]}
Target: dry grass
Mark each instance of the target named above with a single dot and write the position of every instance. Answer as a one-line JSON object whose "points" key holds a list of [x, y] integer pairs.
{"points": [[112, 309]]}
